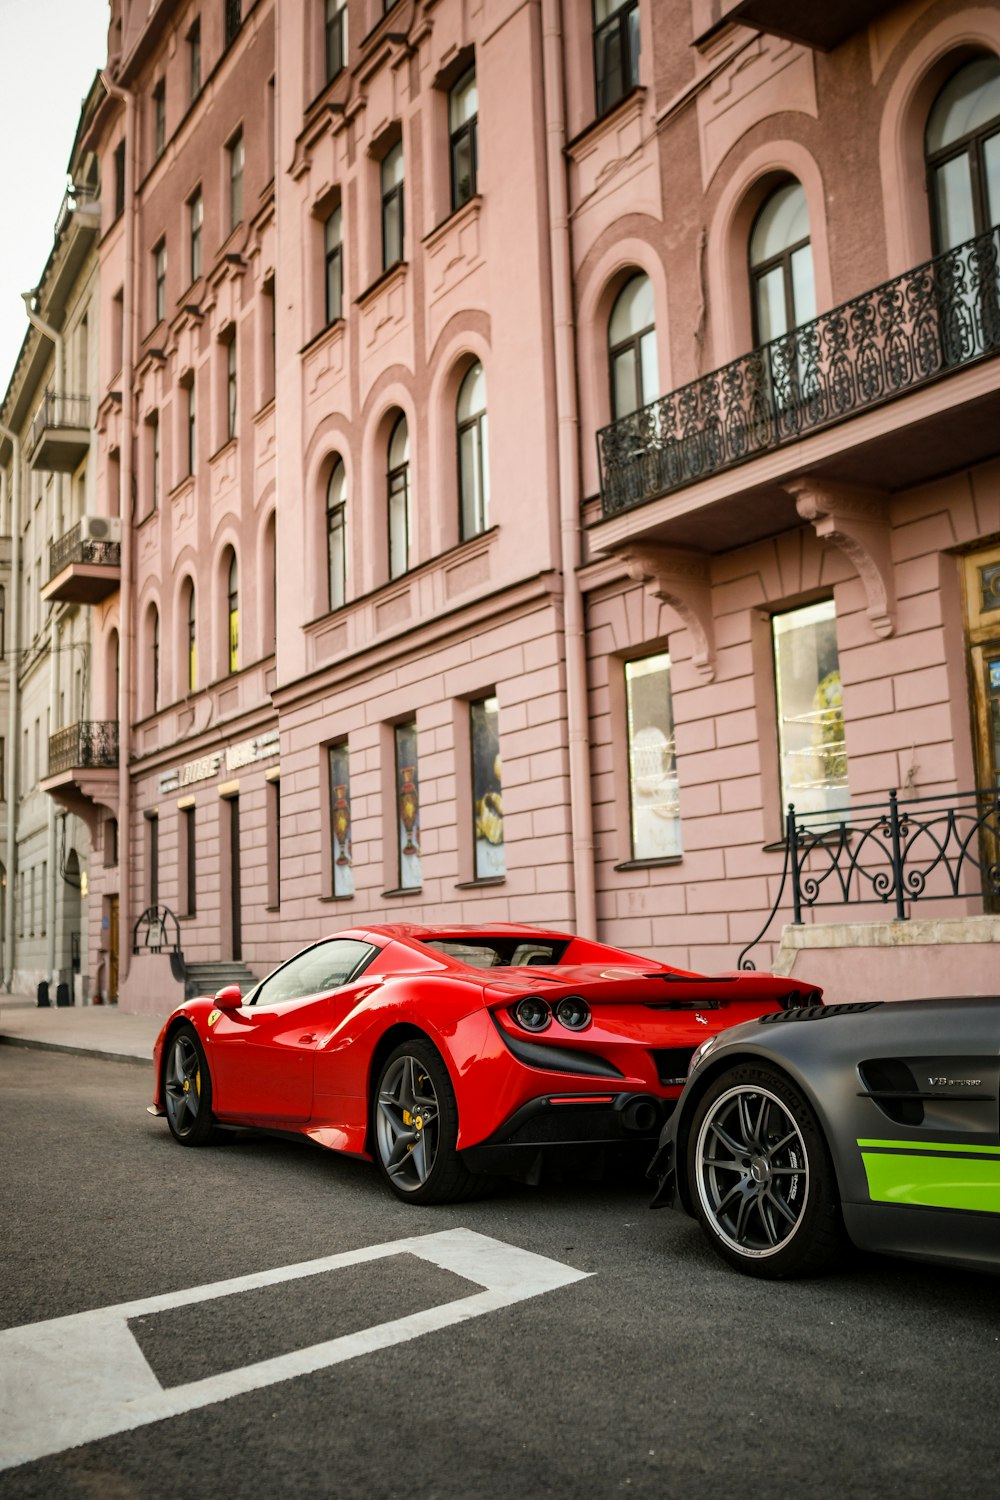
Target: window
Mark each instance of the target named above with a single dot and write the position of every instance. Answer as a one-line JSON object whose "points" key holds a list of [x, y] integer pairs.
{"points": [[160, 281], [117, 338], [616, 51], [234, 19], [196, 222], [811, 744], [154, 460], [159, 118], [336, 534], [652, 760], [154, 659], [272, 792], [473, 453], [192, 647], [408, 806], [44, 896], [399, 499], [781, 265], [111, 841], [632, 359], [235, 153], [194, 61], [119, 179], [233, 614], [325, 967], [333, 258], [152, 859], [487, 789], [191, 427], [231, 388], [392, 207], [189, 860], [463, 128], [340, 819], [335, 35], [963, 154]]}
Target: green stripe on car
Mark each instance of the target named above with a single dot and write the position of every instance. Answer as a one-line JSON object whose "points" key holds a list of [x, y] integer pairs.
{"points": [[933, 1175]]}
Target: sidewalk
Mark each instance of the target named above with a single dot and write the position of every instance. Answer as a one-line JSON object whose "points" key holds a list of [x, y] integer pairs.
{"points": [[86, 1030]]}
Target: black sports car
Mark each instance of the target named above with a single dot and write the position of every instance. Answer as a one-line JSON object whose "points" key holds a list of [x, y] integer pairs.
{"points": [[875, 1123]]}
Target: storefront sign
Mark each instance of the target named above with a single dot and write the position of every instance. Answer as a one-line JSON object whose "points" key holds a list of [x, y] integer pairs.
{"points": [[244, 753]]}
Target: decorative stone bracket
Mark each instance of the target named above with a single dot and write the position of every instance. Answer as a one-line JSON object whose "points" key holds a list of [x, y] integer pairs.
{"points": [[680, 579], [855, 521]]}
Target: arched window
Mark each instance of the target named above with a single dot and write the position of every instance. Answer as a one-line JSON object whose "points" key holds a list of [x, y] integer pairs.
{"points": [[635, 379], [192, 648], [963, 154], [398, 480], [781, 264], [336, 534], [233, 614], [473, 453], [154, 657]]}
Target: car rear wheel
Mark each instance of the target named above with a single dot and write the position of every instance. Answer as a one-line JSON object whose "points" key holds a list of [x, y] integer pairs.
{"points": [[187, 1088], [760, 1175], [415, 1127]]}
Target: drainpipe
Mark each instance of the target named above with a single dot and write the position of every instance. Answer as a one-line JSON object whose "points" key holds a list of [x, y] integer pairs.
{"points": [[50, 813], [13, 704], [126, 632], [567, 418]]}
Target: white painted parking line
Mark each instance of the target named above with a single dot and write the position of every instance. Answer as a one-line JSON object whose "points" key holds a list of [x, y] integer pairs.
{"points": [[81, 1378]]}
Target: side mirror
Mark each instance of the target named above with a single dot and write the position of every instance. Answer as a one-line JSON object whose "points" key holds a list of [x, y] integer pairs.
{"points": [[229, 997]]}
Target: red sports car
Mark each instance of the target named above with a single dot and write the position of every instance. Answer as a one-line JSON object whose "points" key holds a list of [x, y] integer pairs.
{"points": [[447, 1053]]}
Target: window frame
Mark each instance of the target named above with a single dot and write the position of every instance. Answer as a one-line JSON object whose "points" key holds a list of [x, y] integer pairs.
{"points": [[618, 21], [236, 158], [393, 197], [632, 344], [478, 424], [333, 261], [335, 30], [336, 527], [398, 483], [194, 60], [972, 144], [196, 224], [468, 130], [233, 615], [160, 280]]}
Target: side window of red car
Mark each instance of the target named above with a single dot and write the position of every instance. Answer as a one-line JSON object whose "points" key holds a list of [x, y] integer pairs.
{"points": [[326, 966]]}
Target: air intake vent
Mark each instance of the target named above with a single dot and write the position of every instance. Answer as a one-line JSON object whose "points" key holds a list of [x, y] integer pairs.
{"points": [[817, 1012], [894, 1089], [672, 1063]]}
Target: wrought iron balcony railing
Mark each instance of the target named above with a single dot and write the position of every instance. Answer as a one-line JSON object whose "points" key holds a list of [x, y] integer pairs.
{"points": [[939, 317], [90, 745], [78, 199], [74, 547], [891, 854], [60, 411]]}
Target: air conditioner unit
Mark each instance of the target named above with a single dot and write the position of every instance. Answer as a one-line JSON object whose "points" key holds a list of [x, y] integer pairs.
{"points": [[101, 529]]}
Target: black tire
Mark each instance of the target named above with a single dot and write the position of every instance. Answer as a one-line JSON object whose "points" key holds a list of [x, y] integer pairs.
{"points": [[760, 1176], [187, 1088], [414, 1127]]}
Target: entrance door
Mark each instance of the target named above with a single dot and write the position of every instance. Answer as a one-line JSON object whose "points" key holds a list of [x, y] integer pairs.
{"points": [[234, 876], [113, 949], [982, 591]]}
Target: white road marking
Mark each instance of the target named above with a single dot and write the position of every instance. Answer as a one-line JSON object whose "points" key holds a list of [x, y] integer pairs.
{"points": [[80, 1378]]}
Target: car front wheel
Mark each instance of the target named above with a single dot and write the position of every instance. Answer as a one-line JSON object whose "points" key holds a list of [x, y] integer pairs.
{"points": [[187, 1088], [415, 1127], [760, 1175]]}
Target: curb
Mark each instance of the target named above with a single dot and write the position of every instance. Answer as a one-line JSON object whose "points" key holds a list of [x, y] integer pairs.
{"points": [[37, 1046]]}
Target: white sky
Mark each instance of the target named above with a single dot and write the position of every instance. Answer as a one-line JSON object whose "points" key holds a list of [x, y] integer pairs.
{"points": [[49, 53]]}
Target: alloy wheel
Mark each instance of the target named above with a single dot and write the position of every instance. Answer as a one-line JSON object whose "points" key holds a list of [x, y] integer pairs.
{"points": [[752, 1172], [407, 1123], [183, 1084]]}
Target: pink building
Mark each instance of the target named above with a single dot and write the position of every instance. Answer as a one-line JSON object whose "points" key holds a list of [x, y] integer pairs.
{"points": [[556, 437]]}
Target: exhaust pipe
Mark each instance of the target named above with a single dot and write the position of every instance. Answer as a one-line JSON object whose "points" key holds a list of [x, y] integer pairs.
{"points": [[640, 1113]]}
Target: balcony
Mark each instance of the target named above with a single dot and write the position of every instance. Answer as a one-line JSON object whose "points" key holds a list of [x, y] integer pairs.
{"points": [[843, 396], [60, 433], [821, 26], [84, 567], [83, 769]]}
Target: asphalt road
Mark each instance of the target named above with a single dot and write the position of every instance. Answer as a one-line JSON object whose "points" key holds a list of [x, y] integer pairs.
{"points": [[661, 1373]]}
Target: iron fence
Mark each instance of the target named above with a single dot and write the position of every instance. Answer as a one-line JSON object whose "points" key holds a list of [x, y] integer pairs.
{"points": [[73, 547], [941, 316], [892, 853], [92, 744]]}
